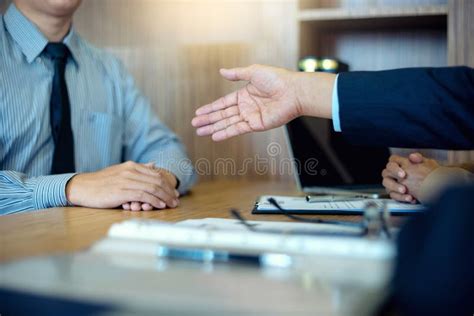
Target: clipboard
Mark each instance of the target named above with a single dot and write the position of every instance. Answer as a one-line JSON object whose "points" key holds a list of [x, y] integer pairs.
{"points": [[298, 205]]}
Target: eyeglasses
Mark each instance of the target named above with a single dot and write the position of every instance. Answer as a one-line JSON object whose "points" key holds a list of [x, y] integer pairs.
{"points": [[375, 222]]}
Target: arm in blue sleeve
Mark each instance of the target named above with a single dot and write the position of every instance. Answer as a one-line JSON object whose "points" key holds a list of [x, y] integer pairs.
{"points": [[336, 121], [147, 139], [19, 193]]}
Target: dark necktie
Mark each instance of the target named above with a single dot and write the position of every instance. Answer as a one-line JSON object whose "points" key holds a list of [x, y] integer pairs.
{"points": [[60, 113]]}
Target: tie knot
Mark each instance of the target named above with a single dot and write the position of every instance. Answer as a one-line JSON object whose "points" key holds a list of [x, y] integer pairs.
{"points": [[57, 51]]}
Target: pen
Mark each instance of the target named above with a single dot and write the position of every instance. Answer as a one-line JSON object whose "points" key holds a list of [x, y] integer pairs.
{"points": [[340, 197], [209, 255]]}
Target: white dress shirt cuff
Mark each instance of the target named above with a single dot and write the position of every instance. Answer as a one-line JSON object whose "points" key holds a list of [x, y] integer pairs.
{"points": [[336, 122], [50, 191]]}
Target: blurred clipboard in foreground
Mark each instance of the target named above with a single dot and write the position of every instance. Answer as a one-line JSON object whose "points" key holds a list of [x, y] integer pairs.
{"points": [[299, 205], [143, 236]]}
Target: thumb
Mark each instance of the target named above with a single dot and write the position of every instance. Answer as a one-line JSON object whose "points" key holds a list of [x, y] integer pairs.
{"points": [[416, 158], [237, 74]]}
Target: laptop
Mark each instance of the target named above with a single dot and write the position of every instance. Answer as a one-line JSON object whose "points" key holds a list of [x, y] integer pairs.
{"points": [[324, 162]]}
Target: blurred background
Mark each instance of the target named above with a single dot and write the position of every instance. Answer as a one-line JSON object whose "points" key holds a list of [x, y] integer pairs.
{"points": [[174, 49]]}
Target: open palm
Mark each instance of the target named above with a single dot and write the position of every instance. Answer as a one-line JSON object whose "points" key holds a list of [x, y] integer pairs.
{"points": [[267, 101]]}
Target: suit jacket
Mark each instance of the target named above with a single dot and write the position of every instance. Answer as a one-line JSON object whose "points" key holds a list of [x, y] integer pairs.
{"points": [[413, 107], [432, 108]]}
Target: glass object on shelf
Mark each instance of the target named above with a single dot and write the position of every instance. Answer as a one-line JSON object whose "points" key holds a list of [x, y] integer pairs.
{"points": [[325, 64]]}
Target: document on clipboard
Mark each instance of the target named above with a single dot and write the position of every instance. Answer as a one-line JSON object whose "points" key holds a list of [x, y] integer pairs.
{"points": [[300, 205]]}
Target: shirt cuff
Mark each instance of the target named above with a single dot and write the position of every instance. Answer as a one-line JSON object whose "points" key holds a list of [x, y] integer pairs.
{"points": [[50, 191], [336, 121]]}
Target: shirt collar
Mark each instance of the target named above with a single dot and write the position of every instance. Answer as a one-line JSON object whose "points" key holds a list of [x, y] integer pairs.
{"points": [[72, 42], [30, 39]]}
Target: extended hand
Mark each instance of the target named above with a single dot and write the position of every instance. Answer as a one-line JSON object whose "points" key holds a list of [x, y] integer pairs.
{"points": [[121, 184], [403, 177], [272, 98]]}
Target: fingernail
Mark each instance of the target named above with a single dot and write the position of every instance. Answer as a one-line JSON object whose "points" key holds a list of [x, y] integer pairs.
{"points": [[401, 174], [161, 205], [201, 131], [408, 198], [176, 193], [401, 189]]}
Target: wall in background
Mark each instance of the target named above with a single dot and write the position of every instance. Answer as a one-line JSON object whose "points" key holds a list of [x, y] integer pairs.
{"points": [[4, 4], [461, 50]]}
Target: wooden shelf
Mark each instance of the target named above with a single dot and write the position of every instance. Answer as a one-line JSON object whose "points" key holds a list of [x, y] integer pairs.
{"points": [[339, 14]]}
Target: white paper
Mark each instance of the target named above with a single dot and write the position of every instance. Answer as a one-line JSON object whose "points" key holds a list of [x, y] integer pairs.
{"points": [[282, 227], [300, 204]]}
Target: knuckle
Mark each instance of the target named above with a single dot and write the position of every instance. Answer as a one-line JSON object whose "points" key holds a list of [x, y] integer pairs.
{"points": [[154, 201], [126, 173], [140, 195], [159, 181], [392, 166], [156, 189], [145, 197], [122, 183], [132, 195], [389, 184]]}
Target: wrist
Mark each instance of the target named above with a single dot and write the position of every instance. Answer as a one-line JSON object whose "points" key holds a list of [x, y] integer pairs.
{"points": [[314, 94], [71, 192], [298, 82]]}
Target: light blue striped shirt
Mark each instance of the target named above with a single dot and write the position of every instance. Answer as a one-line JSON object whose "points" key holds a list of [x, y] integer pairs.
{"points": [[111, 120]]}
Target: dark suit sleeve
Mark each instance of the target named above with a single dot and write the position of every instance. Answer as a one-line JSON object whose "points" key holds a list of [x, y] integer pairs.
{"points": [[413, 107]]}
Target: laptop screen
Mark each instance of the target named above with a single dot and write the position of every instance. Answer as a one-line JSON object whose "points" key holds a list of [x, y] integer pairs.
{"points": [[323, 158]]}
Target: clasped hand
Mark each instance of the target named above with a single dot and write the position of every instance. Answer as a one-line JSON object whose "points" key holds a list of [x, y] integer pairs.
{"points": [[403, 177], [133, 186]]}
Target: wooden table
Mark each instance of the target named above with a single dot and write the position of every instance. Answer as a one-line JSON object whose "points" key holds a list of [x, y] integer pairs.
{"points": [[71, 229], [241, 289]]}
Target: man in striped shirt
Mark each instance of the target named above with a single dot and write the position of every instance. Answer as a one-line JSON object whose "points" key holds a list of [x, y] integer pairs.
{"points": [[74, 129]]}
